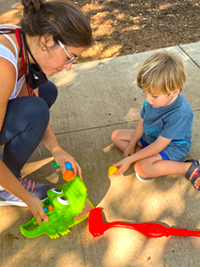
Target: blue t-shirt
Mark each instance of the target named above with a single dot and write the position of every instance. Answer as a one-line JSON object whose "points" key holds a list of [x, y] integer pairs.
{"points": [[172, 122]]}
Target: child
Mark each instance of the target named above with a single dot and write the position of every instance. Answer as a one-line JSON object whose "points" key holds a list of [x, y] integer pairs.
{"points": [[163, 135]]}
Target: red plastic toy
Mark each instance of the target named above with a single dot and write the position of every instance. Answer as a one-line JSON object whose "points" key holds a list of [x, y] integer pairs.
{"points": [[152, 230]]}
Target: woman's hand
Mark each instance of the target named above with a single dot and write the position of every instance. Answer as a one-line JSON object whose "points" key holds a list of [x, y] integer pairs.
{"points": [[123, 165], [61, 157], [35, 206]]}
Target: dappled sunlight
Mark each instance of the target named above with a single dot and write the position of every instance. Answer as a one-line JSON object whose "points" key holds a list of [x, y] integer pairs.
{"points": [[119, 16], [12, 16], [119, 27], [131, 28], [147, 203], [103, 30], [73, 256], [162, 203], [92, 6], [108, 148], [102, 16], [113, 52], [120, 241], [71, 78], [102, 51], [92, 51], [132, 115], [167, 5], [132, 249], [9, 216], [53, 178], [66, 80], [10, 261], [97, 98], [130, 23], [33, 166]]}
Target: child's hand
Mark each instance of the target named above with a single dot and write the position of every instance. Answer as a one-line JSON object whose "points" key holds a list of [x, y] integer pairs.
{"points": [[123, 165], [37, 210], [129, 151]]}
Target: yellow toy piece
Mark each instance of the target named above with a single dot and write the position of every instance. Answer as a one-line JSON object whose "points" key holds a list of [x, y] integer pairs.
{"points": [[112, 169]]}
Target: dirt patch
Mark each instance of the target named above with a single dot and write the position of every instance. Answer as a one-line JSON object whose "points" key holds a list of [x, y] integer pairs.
{"points": [[122, 27]]}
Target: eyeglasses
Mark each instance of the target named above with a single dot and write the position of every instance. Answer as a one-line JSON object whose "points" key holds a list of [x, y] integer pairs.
{"points": [[70, 57]]}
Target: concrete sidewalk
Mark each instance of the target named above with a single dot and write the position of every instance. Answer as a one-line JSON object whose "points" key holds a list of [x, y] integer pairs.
{"points": [[94, 99]]}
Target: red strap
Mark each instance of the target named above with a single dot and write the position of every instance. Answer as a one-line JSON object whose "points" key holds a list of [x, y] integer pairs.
{"points": [[23, 61]]}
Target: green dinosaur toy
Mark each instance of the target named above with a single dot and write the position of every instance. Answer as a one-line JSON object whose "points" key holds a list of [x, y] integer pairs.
{"points": [[62, 205]]}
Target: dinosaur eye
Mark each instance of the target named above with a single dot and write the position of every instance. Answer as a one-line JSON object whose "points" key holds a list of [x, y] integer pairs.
{"points": [[57, 190], [63, 200]]}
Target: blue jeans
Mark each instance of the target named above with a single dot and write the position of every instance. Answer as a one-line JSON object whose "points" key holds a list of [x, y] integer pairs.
{"points": [[24, 125]]}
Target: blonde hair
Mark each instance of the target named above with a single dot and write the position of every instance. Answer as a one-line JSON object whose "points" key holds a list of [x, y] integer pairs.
{"points": [[162, 72]]}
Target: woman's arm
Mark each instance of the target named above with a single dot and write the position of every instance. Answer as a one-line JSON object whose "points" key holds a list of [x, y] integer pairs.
{"points": [[9, 182], [7, 83], [51, 143]]}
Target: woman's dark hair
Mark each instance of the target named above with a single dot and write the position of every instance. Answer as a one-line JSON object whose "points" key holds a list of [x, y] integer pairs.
{"points": [[61, 19]]}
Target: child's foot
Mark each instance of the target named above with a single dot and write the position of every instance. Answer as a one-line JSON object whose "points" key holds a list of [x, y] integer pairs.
{"points": [[143, 179], [37, 189], [193, 173]]}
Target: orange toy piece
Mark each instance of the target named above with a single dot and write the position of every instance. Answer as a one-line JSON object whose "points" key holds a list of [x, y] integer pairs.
{"points": [[50, 208], [68, 175]]}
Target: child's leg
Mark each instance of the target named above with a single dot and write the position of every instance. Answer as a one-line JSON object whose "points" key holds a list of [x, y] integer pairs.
{"points": [[121, 138], [155, 166]]}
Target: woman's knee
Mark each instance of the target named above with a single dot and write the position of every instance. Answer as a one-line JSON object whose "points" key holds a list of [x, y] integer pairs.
{"points": [[23, 110], [26, 119], [48, 92], [36, 110]]}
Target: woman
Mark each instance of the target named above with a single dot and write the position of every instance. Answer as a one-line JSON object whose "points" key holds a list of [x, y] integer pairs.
{"points": [[52, 35]]}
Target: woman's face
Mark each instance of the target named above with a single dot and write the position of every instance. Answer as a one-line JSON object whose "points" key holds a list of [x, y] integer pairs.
{"points": [[53, 58], [56, 59]]}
